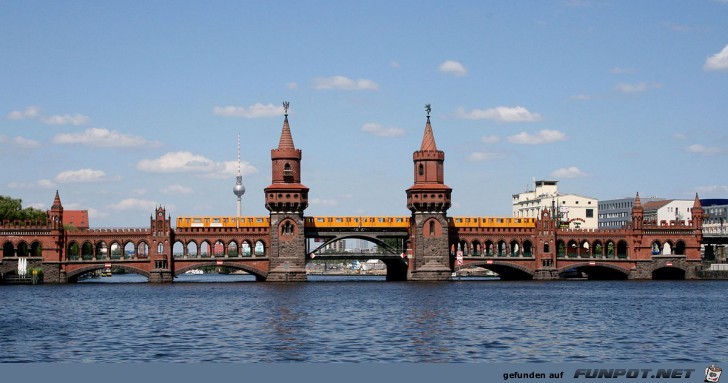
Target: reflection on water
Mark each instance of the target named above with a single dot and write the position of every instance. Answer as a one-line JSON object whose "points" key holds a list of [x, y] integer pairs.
{"points": [[350, 319]]}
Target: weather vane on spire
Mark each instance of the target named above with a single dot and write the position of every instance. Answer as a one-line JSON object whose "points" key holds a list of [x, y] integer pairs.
{"points": [[428, 109], [286, 104]]}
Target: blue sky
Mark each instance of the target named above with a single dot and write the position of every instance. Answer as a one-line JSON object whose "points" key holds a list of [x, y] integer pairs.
{"points": [[125, 105]]}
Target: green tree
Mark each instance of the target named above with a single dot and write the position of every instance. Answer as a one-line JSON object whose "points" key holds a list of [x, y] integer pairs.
{"points": [[12, 209]]}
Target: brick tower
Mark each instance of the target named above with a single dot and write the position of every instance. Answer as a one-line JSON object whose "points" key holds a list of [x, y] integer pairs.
{"points": [[428, 200], [286, 199], [160, 247]]}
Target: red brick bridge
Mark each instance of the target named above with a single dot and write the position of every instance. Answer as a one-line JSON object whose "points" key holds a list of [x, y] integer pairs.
{"points": [[426, 245]]}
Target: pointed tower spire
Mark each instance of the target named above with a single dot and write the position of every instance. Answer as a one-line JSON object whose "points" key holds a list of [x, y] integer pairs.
{"points": [[697, 202], [428, 140], [286, 141], [56, 212], [638, 213], [57, 202]]}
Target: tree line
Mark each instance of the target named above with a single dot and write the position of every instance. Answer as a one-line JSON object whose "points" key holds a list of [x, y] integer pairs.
{"points": [[12, 209]]}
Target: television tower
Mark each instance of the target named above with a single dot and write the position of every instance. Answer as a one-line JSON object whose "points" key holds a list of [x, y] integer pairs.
{"points": [[239, 189]]}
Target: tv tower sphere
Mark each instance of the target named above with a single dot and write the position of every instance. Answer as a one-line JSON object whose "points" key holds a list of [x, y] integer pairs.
{"points": [[239, 189]]}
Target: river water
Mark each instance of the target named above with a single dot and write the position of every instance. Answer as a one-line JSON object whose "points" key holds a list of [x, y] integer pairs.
{"points": [[331, 319]]}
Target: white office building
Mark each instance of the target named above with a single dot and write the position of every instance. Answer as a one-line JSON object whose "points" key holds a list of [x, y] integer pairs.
{"points": [[576, 211]]}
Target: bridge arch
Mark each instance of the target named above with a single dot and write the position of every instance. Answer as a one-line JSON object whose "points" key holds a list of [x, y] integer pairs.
{"points": [[598, 270], [506, 270], [372, 239], [8, 249], [260, 275], [73, 275]]}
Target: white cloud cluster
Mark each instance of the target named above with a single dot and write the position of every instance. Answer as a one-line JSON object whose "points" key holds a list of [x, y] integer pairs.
{"points": [[29, 112], [256, 110], [545, 136], [323, 202], [570, 172], [20, 142], [45, 184], [500, 114], [134, 204], [453, 67], [178, 189], [712, 189], [704, 150], [636, 88], [379, 130], [492, 139], [66, 119], [343, 83], [718, 61], [99, 137], [33, 112], [187, 162], [484, 156], [83, 176]]}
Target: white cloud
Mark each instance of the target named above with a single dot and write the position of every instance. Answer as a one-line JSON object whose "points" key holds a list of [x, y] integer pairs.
{"points": [[453, 67], [703, 150], [712, 189], [570, 172], [83, 176], [501, 114], [636, 88], [343, 83], [95, 213], [134, 204], [66, 119], [394, 64], [492, 139], [45, 184], [99, 137], [25, 143], [680, 136], [484, 156], [379, 130], [20, 142], [186, 162], [542, 137], [177, 189], [256, 110], [718, 61], [292, 85], [29, 113], [323, 202]]}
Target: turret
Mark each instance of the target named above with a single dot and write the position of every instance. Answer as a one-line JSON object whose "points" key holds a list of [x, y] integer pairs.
{"points": [[638, 213]]}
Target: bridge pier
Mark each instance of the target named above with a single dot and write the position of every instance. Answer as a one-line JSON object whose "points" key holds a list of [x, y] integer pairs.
{"points": [[287, 272], [549, 274], [161, 276]]}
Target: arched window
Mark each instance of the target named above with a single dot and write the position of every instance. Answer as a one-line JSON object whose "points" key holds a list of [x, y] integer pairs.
{"points": [[421, 170], [432, 227], [160, 248]]}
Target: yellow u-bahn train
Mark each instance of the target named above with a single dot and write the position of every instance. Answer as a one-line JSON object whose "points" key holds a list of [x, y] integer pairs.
{"points": [[221, 221], [491, 222], [323, 222]]}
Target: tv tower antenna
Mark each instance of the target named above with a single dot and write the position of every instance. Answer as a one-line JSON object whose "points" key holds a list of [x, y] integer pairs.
{"points": [[239, 189]]}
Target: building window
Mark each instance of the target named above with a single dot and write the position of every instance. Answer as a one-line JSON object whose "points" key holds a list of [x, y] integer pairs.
{"points": [[590, 213]]}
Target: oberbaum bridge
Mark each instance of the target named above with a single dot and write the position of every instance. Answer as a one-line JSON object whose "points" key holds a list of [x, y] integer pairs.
{"points": [[427, 245]]}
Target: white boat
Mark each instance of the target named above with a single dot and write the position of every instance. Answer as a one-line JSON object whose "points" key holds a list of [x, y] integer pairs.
{"points": [[194, 272]]}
